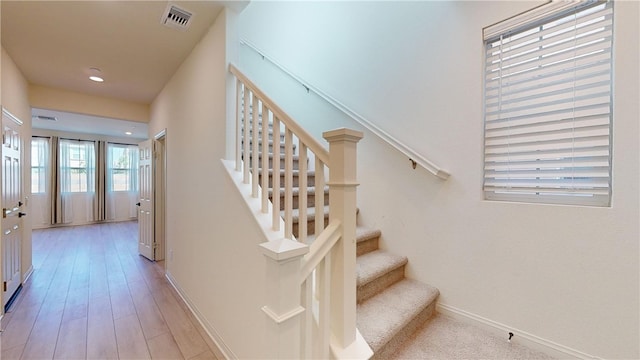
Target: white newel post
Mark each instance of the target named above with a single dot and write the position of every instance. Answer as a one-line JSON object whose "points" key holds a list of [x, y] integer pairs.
{"points": [[342, 206], [283, 259]]}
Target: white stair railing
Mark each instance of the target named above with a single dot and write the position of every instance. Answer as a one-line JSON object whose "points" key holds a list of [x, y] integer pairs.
{"points": [[311, 288]]}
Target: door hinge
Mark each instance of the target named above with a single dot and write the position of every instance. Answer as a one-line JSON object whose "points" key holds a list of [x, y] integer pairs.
{"points": [[155, 245], [5, 286]]}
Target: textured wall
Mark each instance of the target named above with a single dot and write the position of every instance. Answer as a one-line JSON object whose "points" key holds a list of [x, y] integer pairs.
{"points": [[212, 242]]}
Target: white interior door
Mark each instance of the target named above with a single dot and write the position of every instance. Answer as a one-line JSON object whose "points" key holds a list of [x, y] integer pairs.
{"points": [[159, 199], [12, 204], [146, 242]]}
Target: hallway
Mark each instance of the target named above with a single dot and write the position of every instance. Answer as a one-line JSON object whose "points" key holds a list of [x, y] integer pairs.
{"points": [[92, 296]]}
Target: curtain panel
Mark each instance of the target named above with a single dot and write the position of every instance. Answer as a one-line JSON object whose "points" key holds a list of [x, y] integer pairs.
{"points": [[86, 181], [100, 206]]}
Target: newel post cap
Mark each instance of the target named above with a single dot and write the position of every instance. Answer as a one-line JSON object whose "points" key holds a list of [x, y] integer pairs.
{"points": [[343, 134], [284, 249]]}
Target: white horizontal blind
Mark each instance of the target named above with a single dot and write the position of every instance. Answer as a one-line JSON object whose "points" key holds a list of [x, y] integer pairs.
{"points": [[548, 109]]}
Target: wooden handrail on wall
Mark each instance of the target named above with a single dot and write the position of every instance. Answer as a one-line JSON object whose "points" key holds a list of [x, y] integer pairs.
{"points": [[414, 156]]}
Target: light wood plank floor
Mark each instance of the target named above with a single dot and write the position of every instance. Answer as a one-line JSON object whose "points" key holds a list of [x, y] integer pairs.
{"points": [[92, 296]]}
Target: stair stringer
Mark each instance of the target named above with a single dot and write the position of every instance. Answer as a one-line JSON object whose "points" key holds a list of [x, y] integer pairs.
{"points": [[264, 220]]}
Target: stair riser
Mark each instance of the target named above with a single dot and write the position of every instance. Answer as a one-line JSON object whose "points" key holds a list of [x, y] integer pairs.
{"points": [[390, 348], [367, 246], [311, 226], [311, 200], [311, 178], [376, 286]]}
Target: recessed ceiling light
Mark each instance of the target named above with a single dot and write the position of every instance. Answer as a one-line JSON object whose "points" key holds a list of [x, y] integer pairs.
{"points": [[128, 133], [95, 74]]}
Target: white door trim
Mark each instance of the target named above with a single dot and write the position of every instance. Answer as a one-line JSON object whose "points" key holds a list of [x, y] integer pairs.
{"points": [[12, 117]]}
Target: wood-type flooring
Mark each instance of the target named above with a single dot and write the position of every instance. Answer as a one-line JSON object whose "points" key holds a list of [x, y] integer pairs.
{"points": [[91, 296]]}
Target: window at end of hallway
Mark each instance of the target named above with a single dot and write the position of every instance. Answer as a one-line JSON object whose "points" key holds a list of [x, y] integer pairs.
{"points": [[548, 105], [39, 165], [122, 167], [77, 166]]}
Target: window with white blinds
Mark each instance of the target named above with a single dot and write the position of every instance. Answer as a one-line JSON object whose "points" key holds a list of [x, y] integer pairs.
{"points": [[548, 105]]}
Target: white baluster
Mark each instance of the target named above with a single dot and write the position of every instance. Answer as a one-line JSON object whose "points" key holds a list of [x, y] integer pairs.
{"points": [[245, 138], [288, 184], [276, 173], [265, 160], [239, 87], [254, 147], [319, 196], [307, 320], [302, 193], [324, 313]]}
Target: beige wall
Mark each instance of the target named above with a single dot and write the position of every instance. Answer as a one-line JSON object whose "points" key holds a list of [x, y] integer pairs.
{"points": [[1, 52], [568, 276], [1, 56], [15, 90], [63, 100], [15, 99], [212, 251]]}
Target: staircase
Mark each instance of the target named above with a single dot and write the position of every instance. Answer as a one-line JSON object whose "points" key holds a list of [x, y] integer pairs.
{"points": [[390, 307]]}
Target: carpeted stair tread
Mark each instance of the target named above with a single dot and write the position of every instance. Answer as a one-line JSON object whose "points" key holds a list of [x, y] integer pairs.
{"points": [[390, 307], [295, 172], [381, 317], [364, 234], [373, 265], [296, 177], [311, 213], [270, 144], [296, 191], [282, 158]]}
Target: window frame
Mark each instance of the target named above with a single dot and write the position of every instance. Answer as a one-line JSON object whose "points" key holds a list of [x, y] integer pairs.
{"points": [[44, 168], [504, 190], [89, 179], [132, 183]]}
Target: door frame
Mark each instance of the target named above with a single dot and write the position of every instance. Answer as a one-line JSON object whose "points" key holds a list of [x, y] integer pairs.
{"points": [[146, 197], [23, 197], [160, 186]]}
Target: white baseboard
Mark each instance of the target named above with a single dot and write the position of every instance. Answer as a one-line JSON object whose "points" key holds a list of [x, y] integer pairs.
{"points": [[208, 328], [28, 274], [532, 341]]}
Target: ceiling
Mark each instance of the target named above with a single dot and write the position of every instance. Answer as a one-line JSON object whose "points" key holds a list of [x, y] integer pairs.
{"points": [[55, 43], [70, 122]]}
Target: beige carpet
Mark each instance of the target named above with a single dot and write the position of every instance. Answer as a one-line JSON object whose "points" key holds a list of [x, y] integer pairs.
{"points": [[393, 312], [446, 338]]}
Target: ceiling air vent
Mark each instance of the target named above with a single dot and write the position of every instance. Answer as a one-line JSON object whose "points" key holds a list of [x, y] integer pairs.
{"points": [[45, 118], [176, 17]]}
